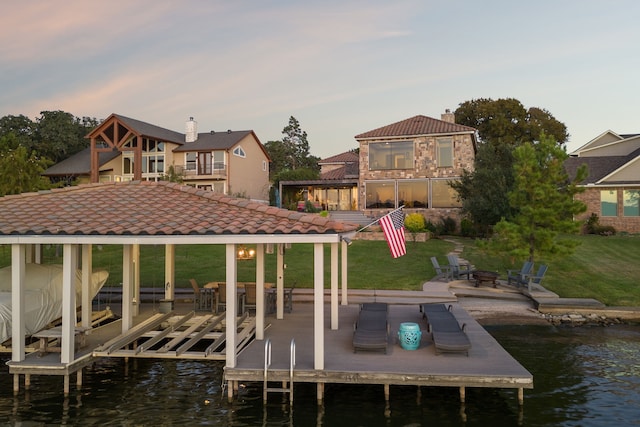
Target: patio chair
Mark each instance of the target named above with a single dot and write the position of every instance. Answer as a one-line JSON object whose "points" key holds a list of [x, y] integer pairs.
{"points": [[199, 302], [250, 297], [442, 271], [458, 270], [534, 281], [518, 277]]}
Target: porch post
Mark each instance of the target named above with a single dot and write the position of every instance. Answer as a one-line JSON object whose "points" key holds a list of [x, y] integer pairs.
{"points": [[280, 282], [344, 270], [260, 292], [334, 286], [18, 262], [169, 271], [232, 290], [127, 314], [318, 306], [87, 270], [69, 269]]}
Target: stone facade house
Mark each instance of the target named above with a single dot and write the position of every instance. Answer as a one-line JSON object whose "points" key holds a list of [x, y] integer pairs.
{"points": [[126, 149], [410, 163], [612, 187]]}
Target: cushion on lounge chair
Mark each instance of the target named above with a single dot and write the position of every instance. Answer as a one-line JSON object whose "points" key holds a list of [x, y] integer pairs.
{"points": [[371, 331]]}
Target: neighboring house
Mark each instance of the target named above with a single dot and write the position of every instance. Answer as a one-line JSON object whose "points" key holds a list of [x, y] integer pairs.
{"points": [[410, 163], [612, 187], [336, 190], [125, 149]]}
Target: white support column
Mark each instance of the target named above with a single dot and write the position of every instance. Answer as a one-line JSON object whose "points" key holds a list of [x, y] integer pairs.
{"points": [[37, 248], [69, 268], [87, 270], [232, 291], [135, 308], [169, 271], [18, 262], [260, 292], [127, 279], [344, 270], [334, 286], [318, 306], [280, 282]]}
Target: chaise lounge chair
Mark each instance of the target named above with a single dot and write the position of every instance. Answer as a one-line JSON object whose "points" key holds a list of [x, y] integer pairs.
{"points": [[371, 330], [447, 334]]}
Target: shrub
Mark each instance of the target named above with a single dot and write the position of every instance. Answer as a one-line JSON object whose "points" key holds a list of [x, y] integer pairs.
{"points": [[467, 228], [592, 226], [414, 223], [447, 226]]}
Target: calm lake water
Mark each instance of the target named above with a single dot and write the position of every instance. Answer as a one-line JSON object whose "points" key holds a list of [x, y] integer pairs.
{"points": [[586, 376]]}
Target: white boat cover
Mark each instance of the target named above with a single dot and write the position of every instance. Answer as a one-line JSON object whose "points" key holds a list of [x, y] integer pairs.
{"points": [[43, 295]]}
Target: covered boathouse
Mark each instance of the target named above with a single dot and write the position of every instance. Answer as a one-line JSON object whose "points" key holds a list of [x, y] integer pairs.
{"points": [[148, 213]]}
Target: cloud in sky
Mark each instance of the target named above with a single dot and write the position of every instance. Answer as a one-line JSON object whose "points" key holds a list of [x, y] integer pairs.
{"points": [[341, 68]]}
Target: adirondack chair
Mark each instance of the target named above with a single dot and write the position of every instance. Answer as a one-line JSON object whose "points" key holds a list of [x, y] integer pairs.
{"points": [[535, 280], [518, 277], [458, 270], [443, 271]]}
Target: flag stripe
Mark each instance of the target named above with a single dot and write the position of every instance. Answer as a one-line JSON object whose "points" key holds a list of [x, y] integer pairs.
{"points": [[393, 227]]}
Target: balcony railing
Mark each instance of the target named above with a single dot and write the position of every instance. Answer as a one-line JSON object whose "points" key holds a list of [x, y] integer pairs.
{"points": [[217, 170]]}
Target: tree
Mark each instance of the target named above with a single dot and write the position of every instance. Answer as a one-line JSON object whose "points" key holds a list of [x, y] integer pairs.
{"points": [[20, 171], [502, 126], [292, 152], [543, 195], [22, 129], [60, 135]]}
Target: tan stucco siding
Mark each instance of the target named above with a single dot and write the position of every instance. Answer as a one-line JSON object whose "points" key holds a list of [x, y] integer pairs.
{"points": [[249, 176]]}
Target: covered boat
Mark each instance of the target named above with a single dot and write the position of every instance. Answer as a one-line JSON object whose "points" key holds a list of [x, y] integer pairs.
{"points": [[43, 295]]}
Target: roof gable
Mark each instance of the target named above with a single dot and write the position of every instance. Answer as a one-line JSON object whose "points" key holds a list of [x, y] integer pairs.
{"points": [[140, 128], [416, 126]]}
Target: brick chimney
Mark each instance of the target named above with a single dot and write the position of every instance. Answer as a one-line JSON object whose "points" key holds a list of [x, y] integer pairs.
{"points": [[448, 116]]}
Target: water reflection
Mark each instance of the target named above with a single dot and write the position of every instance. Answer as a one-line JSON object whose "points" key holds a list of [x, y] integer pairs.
{"points": [[582, 376]]}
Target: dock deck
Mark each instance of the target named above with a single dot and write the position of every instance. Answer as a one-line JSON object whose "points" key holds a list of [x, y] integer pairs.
{"points": [[487, 365]]}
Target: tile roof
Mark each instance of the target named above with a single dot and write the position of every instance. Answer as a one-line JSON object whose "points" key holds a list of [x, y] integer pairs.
{"points": [[149, 208], [346, 157], [345, 172], [415, 126]]}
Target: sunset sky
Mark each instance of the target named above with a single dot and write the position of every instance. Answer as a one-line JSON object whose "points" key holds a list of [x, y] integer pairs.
{"points": [[340, 67]]}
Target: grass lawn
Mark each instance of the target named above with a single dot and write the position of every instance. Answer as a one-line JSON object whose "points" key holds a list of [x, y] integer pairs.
{"points": [[604, 268]]}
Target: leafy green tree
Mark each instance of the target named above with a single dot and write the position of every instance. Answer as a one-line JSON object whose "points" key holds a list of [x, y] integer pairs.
{"points": [[292, 152], [502, 125], [543, 195], [20, 127], [20, 171], [60, 135]]}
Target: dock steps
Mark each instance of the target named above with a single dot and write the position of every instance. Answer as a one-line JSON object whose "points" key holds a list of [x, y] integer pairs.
{"points": [[267, 363]]}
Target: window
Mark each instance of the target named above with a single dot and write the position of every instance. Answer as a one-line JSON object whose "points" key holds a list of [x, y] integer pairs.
{"points": [[609, 203], [264, 166], [380, 194], [238, 151], [413, 193], [391, 155], [218, 161], [631, 203], [190, 161], [442, 195], [444, 152]]}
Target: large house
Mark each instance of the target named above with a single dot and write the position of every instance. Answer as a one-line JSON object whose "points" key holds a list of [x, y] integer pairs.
{"points": [[411, 163], [125, 149], [612, 187]]}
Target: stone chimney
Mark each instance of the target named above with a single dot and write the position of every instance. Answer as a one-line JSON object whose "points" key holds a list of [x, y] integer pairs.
{"points": [[448, 116], [191, 130]]}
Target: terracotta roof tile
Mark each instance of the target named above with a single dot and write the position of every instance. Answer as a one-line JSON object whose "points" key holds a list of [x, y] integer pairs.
{"points": [[415, 126], [148, 208]]}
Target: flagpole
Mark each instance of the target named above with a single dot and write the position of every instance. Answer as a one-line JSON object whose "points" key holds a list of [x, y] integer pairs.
{"points": [[369, 225]]}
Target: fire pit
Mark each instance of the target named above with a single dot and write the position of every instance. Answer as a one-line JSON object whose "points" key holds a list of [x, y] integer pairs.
{"points": [[485, 276]]}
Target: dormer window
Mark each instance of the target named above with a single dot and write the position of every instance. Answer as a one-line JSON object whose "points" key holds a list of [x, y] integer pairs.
{"points": [[238, 151]]}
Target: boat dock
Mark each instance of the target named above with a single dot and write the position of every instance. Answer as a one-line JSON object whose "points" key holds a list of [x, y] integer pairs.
{"points": [[182, 333], [487, 364]]}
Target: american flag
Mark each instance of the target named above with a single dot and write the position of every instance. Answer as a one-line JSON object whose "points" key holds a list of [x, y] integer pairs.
{"points": [[393, 227]]}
